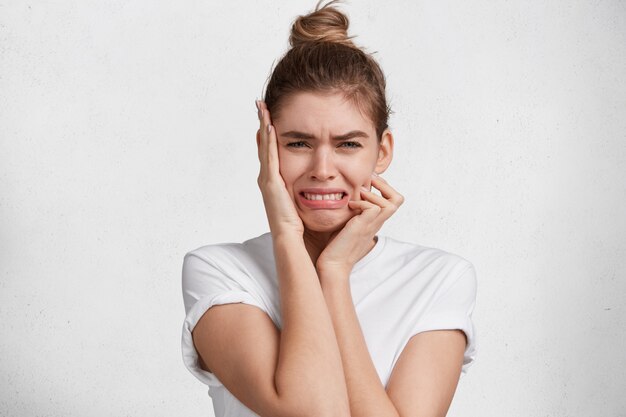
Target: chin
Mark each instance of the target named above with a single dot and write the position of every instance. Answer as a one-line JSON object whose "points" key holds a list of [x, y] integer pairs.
{"points": [[322, 229], [325, 224]]}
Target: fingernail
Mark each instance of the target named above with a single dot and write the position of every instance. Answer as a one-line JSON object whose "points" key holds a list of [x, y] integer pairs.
{"points": [[375, 175], [365, 189], [269, 128], [257, 104], [260, 114]]}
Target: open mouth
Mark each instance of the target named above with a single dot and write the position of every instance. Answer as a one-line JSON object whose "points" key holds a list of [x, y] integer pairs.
{"points": [[319, 197]]}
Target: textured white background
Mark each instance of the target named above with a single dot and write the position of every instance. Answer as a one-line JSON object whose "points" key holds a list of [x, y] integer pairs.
{"points": [[127, 138]]}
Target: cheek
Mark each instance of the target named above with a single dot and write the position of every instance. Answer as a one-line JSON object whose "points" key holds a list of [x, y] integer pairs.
{"points": [[360, 173], [288, 168]]}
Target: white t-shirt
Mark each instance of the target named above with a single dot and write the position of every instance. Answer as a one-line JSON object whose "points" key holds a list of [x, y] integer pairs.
{"points": [[399, 289]]}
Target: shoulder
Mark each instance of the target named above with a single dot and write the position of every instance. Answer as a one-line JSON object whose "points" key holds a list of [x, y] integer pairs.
{"points": [[217, 254], [425, 255], [431, 265], [222, 268], [222, 263]]}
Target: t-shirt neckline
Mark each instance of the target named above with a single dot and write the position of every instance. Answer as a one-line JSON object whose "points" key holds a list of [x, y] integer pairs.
{"points": [[373, 253]]}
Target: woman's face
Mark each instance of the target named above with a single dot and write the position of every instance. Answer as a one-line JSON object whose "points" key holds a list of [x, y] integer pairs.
{"points": [[327, 150]]}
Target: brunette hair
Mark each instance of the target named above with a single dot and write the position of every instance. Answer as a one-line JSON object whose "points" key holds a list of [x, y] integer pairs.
{"points": [[323, 59]]}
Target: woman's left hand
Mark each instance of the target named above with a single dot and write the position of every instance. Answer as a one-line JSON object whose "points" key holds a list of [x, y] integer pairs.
{"points": [[351, 243]]}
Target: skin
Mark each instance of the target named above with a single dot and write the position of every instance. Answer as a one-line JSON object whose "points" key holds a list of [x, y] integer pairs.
{"points": [[318, 363], [323, 162], [425, 377]]}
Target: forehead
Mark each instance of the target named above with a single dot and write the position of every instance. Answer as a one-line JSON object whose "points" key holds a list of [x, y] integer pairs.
{"points": [[319, 111]]}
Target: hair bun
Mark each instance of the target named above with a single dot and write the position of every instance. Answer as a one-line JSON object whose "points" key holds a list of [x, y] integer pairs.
{"points": [[327, 24]]}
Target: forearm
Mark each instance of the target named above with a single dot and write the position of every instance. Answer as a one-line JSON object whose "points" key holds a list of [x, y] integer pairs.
{"points": [[309, 366], [366, 393]]}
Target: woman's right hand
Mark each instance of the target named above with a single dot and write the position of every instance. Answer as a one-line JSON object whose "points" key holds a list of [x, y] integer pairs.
{"points": [[279, 207]]}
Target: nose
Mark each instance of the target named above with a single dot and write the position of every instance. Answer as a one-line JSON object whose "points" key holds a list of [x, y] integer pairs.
{"points": [[323, 165]]}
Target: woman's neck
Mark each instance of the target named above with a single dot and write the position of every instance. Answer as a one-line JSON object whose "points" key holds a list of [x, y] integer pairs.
{"points": [[316, 242]]}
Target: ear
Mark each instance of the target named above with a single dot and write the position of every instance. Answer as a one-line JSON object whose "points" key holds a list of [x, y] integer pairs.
{"points": [[385, 152]]}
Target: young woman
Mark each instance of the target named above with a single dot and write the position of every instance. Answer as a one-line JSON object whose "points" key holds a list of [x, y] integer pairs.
{"points": [[323, 316]]}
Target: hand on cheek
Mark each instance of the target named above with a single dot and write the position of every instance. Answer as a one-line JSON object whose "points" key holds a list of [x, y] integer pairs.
{"points": [[281, 212], [354, 240]]}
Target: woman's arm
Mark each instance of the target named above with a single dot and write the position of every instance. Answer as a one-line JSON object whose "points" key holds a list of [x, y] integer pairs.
{"points": [[424, 379], [425, 376], [309, 365], [296, 372], [365, 390]]}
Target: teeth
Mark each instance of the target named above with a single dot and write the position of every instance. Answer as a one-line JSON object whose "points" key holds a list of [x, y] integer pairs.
{"points": [[336, 196]]}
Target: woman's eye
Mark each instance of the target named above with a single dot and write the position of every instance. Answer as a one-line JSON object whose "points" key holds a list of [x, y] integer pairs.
{"points": [[303, 144], [298, 144], [351, 144]]}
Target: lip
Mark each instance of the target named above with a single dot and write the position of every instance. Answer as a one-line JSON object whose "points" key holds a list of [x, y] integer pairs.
{"points": [[323, 204], [323, 190]]}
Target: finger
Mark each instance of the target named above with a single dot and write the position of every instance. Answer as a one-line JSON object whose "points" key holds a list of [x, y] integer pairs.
{"points": [[258, 108], [268, 151], [260, 113], [265, 113], [374, 198], [261, 134], [387, 207], [387, 191], [270, 135], [264, 120], [272, 149], [369, 211], [258, 144]]}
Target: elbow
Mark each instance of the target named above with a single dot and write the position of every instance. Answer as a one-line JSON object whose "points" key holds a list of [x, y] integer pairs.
{"points": [[331, 410], [319, 409], [336, 412]]}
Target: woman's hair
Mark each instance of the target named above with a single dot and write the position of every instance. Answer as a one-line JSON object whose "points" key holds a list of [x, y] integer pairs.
{"points": [[323, 59]]}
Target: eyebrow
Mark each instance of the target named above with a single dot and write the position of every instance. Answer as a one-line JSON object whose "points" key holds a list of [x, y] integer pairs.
{"points": [[301, 135]]}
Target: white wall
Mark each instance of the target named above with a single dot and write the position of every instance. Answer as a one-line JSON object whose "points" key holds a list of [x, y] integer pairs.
{"points": [[127, 138]]}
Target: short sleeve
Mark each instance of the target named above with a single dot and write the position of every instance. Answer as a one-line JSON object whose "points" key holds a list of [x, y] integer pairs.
{"points": [[204, 285], [453, 310]]}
